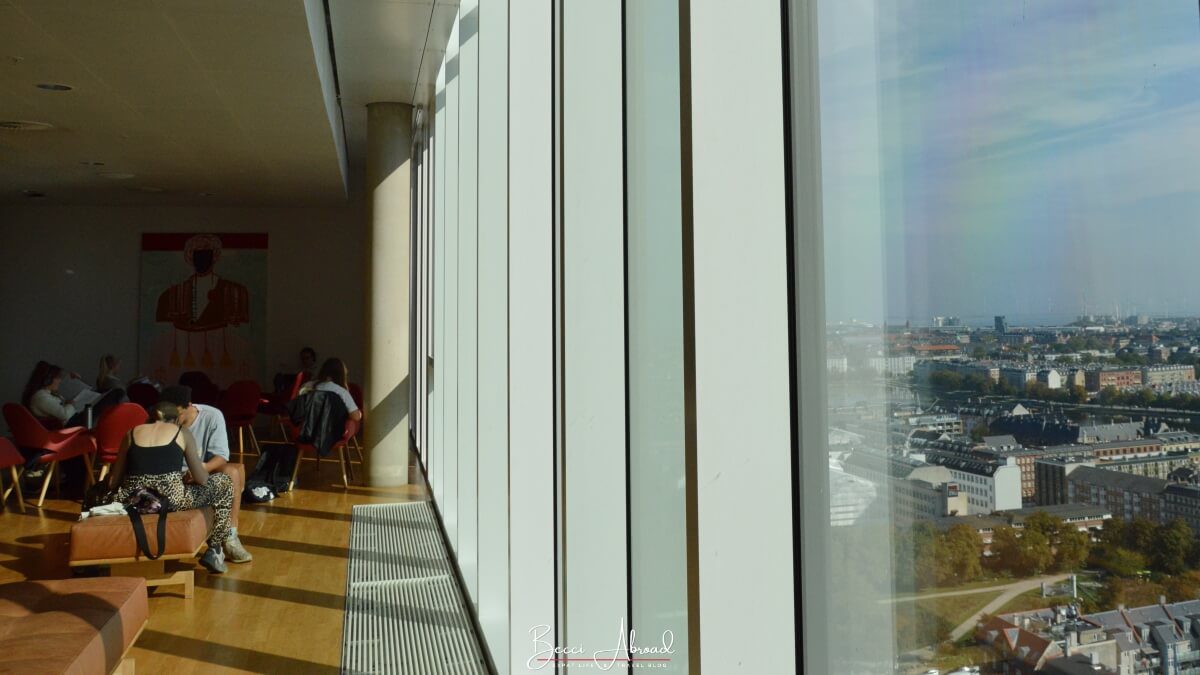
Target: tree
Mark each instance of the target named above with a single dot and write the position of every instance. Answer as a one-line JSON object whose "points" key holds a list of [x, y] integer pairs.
{"points": [[1045, 523], [1173, 544], [1036, 554], [1072, 551], [958, 555], [1121, 562], [1140, 534], [979, 432], [945, 380], [1006, 548], [1113, 534]]}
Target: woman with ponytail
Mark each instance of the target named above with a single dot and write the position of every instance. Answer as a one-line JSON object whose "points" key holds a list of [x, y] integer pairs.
{"points": [[149, 458]]}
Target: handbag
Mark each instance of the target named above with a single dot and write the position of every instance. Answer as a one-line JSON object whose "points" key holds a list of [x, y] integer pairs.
{"points": [[98, 494], [145, 501]]}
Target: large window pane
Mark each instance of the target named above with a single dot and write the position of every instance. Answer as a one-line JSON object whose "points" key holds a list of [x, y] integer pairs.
{"points": [[1009, 218]]}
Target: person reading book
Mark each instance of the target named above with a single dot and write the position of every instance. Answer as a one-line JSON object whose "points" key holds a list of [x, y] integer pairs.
{"points": [[52, 396]]}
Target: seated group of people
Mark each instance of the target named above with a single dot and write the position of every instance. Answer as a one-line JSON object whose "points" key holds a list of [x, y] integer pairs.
{"points": [[182, 451]]}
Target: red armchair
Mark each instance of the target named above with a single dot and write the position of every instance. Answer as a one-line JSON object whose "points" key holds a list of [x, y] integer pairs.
{"points": [[10, 458], [55, 445], [340, 446], [112, 428], [240, 406]]}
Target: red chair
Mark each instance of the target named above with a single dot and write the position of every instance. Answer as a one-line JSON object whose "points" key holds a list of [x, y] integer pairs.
{"points": [[240, 406], [112, 428], [275, 404], [356, 443], [340, 446], [144, 395], [10, 458], [57, 445]]}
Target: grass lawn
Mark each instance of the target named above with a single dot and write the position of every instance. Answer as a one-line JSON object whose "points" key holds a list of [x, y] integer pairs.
{"points": [[1030, 600], [982, 584], [928, 622]]}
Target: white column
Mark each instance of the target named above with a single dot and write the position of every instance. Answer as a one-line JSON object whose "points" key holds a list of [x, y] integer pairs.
{"points": [[389, 185]]}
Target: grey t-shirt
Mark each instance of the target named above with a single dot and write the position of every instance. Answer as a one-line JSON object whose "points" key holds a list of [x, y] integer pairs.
{"points": [[209, 430], [338, 389]]}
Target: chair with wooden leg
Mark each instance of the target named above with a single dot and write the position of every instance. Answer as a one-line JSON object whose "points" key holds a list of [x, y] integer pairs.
{"points": [[55, 445], [240, 407], [356, 443], [10, 458], [340, 446], [112, 428]]}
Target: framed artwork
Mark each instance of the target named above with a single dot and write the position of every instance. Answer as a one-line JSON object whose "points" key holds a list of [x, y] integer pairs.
{"points": [[203, 306]]}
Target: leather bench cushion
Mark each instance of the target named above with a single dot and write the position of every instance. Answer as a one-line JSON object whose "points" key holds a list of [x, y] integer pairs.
{"points": [[111, 537], [78, 626]]}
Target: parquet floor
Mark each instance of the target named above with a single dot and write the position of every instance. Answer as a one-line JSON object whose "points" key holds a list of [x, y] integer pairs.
{"points": [[280, 613]]}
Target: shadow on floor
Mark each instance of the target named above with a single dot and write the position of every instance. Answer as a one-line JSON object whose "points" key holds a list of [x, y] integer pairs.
{"points": [[268, 507], [225, 655], [284, 593]]}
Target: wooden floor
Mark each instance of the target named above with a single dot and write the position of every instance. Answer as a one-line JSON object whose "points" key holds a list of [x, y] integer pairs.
{"points": [[280, 613]]}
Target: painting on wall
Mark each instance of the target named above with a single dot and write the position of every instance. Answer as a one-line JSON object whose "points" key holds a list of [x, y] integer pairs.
{"points": [[203, 306]]}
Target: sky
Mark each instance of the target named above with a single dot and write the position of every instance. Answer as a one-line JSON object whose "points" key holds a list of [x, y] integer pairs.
{"points": [[1038, 159]]}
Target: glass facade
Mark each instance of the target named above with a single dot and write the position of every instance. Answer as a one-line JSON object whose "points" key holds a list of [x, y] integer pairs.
{"points": [[757, 332]]}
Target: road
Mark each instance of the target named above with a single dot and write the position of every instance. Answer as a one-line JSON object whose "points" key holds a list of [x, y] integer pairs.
{"points": [[1013, 590]]}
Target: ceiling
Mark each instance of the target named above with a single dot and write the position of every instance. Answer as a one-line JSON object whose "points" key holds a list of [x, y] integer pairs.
{"points": [[386, 51], [202, 101]]}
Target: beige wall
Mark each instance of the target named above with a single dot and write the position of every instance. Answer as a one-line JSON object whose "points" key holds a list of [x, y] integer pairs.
{"points": [[69, 282]]}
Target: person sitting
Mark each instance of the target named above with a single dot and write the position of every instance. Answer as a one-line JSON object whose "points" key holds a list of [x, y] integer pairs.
{"points": [[42, 397], [149, 458], [308, 362], [207, 426], [334, 378], [106, 378], [41, 394]]}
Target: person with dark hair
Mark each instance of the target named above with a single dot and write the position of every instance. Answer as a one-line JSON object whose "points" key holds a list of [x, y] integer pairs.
{"points": [[308, 362], [334, 378], [207, 425], [150, 457], [41, 395]]}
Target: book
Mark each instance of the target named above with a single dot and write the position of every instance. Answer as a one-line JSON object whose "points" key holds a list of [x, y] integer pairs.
{"points": [[77, 392]]}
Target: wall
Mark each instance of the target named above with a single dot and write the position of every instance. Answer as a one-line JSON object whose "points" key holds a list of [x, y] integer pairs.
{"points": [[69, 282]]}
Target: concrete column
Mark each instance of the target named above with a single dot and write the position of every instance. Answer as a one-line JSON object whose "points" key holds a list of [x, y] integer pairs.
{"points": [[389, 223]]}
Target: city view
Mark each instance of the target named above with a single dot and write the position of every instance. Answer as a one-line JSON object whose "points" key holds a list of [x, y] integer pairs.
{"points": [[1035, 479], [1012, 350]]}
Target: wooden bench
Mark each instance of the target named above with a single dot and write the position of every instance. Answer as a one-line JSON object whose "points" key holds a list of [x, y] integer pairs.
{"points": [[109, 540], [77, 626]]}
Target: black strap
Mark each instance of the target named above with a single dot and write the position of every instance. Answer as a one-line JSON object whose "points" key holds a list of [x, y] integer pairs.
{"points": [[139, 532]]}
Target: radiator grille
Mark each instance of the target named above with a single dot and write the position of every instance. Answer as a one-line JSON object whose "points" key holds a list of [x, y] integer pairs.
{"points": [[404, 612]]}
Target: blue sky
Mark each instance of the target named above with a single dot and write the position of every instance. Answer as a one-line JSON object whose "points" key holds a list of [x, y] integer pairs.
{"points": [[1020, 157]]}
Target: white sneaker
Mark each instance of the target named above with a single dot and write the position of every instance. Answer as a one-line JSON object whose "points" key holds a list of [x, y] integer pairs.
{"points": [[234, 551], [214, 560]]}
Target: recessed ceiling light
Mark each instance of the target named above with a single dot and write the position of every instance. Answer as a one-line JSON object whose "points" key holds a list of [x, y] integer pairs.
{"points": [[53, 86], [116, 176], [91, 163]]}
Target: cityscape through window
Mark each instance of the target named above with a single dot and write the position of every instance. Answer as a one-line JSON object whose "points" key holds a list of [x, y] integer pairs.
{"points": [[1010, 228]]}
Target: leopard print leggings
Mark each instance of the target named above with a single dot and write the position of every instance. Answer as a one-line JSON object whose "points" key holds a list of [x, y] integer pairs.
{"points": [[216, 492]]}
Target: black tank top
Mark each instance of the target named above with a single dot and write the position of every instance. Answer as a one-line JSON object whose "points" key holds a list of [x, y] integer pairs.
{"points": [[146, 460]]}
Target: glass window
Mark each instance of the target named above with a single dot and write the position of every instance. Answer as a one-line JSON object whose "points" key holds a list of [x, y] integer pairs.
{"points": [[1008, 206]]}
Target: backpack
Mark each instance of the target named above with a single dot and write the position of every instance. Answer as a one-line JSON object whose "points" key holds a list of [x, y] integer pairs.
{"points": [[144, 501], [271, 475]]}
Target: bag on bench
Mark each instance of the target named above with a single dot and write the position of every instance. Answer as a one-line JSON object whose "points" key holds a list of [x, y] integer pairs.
{"points": [[147, 500]]}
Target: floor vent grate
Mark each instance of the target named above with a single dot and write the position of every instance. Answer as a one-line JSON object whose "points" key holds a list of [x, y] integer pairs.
{"points": [[404, 612]]}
